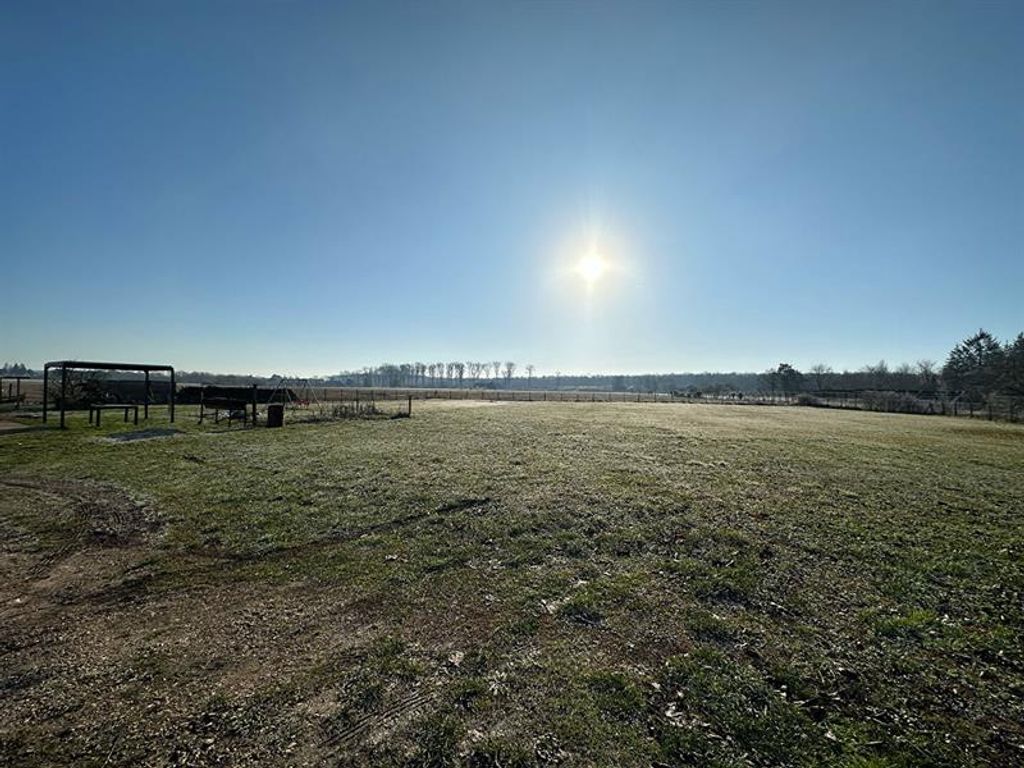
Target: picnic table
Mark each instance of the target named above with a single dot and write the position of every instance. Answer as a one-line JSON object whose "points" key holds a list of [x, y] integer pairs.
{"points": [[98, 408]]}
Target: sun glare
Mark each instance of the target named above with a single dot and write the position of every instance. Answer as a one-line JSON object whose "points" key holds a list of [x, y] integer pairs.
{"points": [[591, 268]]}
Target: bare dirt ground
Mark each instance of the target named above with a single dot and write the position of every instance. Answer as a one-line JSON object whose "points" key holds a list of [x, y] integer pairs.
{"points": [[103, 656]]}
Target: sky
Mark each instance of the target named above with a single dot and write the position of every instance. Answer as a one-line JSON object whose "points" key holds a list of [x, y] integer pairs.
{"points": [[305, 188]]}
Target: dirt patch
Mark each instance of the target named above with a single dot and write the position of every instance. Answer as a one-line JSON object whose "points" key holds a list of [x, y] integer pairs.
{"points": [[12, 427], [88, 513], [64, 538], [106, 653], [142, 434], [440, 402]]}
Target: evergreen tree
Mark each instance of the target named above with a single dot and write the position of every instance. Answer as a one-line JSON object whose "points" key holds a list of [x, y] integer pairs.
{"points": [[1013, 367], [974, 366]]}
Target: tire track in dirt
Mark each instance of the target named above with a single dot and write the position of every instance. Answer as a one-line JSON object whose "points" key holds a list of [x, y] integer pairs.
{"points": [[373, 727], [82, 515], [404, 707], [115, 518], [199, 561], [339, 537], [73, 534]]}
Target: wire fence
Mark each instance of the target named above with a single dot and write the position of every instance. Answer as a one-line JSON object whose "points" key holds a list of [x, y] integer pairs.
{"points": [[993, 408], [334, 394], [317, 402]]}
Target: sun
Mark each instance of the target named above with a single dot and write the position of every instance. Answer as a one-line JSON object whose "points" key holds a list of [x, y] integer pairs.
{"points": [[591, 268]]}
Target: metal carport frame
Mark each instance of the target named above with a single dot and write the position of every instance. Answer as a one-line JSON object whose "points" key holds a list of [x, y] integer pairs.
{"points": [[85, 365]]}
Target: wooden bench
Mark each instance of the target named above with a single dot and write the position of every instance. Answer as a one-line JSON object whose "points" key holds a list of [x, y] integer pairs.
{"points": [[98, 408], [235, 407]]}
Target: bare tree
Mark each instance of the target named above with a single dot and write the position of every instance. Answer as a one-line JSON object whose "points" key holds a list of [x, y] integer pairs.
{"points": [[390, 374], [820, 371], [905, 377], [510, 369], [529, 375], [497, 371], [878, 374], [927, 374], [81, 387]]}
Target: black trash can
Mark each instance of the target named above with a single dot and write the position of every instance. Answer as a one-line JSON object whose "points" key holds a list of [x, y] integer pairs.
{"points": [[275, 415]]}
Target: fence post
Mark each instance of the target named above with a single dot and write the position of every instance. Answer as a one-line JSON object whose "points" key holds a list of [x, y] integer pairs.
{"points": [[64, 394]]}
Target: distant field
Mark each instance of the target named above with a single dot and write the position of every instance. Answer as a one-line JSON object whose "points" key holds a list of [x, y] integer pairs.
{"points": [[996, 408], [30, 389], [517, 584]]}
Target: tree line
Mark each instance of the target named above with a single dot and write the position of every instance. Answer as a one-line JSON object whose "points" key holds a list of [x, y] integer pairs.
{"points": [[441, 374], [977, 368], [15, 369]]}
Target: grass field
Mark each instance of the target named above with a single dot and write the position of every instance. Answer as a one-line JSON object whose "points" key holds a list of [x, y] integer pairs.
{"points": [[517, 584]]}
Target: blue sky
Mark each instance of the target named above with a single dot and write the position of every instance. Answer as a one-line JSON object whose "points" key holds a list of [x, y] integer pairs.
{"points": [[306, 187]]}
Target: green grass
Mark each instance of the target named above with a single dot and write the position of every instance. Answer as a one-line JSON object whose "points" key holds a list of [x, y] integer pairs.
{"points": [[517, 584]]}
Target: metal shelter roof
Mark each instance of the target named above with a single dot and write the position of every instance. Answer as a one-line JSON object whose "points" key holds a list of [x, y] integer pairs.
{"points": [[98, 366]]}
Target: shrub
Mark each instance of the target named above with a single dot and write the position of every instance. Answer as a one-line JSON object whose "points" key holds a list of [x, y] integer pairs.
{"points": [[810, 400], [893, 402], [82, 388]]}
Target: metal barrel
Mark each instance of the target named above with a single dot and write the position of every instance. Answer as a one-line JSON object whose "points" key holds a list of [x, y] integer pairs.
{"points": [[275, 415]]}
